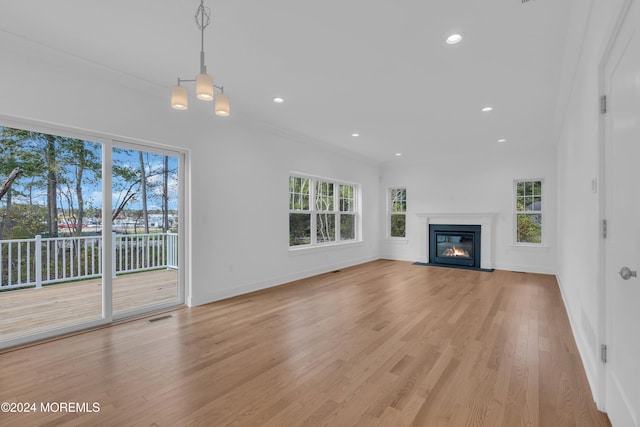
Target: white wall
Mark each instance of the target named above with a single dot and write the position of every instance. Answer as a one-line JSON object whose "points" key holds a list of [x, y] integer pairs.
{"points": [[249, 239], [578, 165], [238, 169], [479, 182]]}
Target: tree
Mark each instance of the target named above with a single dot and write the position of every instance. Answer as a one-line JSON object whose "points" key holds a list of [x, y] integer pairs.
{"points": [[80, 165], [7, 184], [18, 150], [52, 185], [143, 188]]}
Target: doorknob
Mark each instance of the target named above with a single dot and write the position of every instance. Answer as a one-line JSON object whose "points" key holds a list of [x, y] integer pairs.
{"points": [[626, 273]]}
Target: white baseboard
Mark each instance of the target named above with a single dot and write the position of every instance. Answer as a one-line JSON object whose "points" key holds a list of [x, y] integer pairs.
{"points": [[619, 407], [526, 268], [587, 356], [397, 258]]}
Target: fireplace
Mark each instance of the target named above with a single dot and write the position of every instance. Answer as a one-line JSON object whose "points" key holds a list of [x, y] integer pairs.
{"points": [[485, 220], [454, 245]]}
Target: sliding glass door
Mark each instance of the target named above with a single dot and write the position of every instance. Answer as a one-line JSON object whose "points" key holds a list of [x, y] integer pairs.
{"points": [[89, 232], [145, 223]]}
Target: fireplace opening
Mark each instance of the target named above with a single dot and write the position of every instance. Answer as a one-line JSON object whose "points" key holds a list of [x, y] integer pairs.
{"points": [[454, 245]]}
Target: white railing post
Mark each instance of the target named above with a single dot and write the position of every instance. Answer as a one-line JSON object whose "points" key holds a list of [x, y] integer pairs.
{"points": [[38, 261], [167, 252], [113, 254]]}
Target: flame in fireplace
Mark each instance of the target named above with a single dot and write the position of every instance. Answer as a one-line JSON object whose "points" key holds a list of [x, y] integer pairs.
{"points": [[456, 252]]}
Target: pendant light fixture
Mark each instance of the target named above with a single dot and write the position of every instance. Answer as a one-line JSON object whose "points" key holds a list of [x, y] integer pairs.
{"points": [[204, 82]]}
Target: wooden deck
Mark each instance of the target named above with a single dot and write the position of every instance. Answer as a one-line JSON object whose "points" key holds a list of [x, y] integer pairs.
{"points": [[28, 311]]}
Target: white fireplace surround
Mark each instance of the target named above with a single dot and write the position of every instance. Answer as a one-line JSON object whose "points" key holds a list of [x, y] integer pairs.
{"points": [[484, 220]]}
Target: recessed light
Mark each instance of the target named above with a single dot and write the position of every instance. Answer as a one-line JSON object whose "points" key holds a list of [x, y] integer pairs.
{"points": [[398, 154], [487, 109], [355, 135], [502, 140], [278, 100], [454, 39]]}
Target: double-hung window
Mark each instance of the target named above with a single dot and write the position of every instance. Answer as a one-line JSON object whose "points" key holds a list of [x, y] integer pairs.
{"points": [[528, 212], [321, 211], [398, 212], [347, 194]]}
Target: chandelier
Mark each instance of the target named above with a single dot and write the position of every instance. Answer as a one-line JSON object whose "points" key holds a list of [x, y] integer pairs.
{"points": [[204, 82]]}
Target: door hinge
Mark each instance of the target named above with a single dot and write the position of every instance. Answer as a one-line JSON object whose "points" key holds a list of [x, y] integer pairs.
{"points": [[603, 353], [603, 104], [604, 228]]}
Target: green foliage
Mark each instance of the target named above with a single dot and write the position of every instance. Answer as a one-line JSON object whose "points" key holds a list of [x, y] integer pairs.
{"points": [[324, 196], [529, 228], [299, 229], [347, 227], [398, 200], [298, 193], [21, 149], [325, 227], [347, 198], [529, 196], [27, 221], [398, 225]]}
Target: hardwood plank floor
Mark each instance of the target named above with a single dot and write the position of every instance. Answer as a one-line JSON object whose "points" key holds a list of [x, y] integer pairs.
{"points": [[385, 343]]}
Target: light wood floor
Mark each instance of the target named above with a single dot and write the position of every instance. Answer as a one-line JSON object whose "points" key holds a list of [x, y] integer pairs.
{"points": [[385, 343], [27, 311]]}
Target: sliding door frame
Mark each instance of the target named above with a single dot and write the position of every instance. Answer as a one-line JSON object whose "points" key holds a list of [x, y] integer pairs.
{"points": [[180, 155], [108, 142]]}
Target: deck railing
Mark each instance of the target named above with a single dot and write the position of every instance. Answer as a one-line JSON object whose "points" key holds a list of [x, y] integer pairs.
{"points": [[40, 261]]}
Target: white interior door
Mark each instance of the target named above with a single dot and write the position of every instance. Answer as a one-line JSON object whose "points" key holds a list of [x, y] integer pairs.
{"points": [[622, 247]]}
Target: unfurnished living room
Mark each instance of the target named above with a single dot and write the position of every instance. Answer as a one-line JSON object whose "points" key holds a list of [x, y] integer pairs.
{"points": [[342, 213]]}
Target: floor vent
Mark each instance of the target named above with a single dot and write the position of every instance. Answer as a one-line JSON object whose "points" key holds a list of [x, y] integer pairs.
{"points": [[156, 319]]}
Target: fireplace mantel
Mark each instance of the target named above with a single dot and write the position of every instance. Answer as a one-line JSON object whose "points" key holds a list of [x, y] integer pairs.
{"points": [[485, 220]]}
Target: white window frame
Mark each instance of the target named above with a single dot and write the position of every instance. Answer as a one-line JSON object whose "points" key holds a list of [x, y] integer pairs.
{"points": [[540, 212], [390, 212], [314, 211]]}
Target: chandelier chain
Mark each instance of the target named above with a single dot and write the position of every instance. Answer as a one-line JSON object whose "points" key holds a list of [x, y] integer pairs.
{"points": [[203, 16]]}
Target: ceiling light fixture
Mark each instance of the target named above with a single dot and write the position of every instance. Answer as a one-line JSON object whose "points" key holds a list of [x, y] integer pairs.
{"points": [[502, 140], [355, 135], [487, 109], [454, 39], [278, 100], [398, 154], [204, 82]]}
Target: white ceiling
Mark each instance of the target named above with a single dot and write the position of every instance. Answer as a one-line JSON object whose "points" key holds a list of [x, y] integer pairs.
{"points": [[377, 67]]}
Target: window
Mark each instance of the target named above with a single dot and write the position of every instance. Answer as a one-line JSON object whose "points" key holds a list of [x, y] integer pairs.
{"points": [[398, 212], [330, 218], [528, 212]]}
